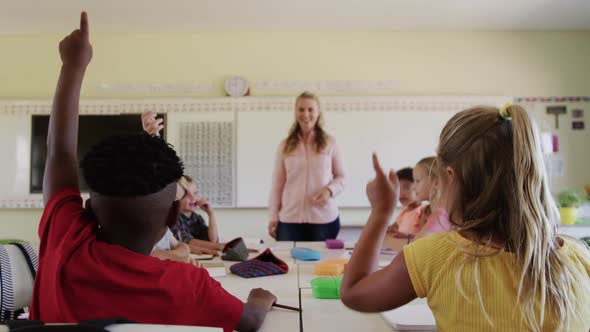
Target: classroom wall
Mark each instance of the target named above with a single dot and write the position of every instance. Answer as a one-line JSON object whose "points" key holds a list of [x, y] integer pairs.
{"points": [[424, 63]]}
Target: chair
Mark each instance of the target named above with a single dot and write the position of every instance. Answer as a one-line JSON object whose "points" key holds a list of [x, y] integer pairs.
{"points": [[18, 266]]}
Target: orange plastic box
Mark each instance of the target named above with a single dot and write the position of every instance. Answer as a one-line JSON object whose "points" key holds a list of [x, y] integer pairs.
{"points": [[330, 267]]}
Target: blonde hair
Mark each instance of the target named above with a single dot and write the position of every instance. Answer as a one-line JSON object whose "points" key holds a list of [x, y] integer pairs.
{"points": [[501, 191], [184, 183], [320, 138], [428, 164]]}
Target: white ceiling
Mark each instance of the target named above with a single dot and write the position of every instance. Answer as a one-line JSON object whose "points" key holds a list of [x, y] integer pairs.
{"points": [[49, 16]]}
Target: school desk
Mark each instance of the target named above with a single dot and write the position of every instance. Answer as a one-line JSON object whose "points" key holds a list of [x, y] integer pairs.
{"points": [[284, 286], [396, 244], [333, 315], [146, 328]]}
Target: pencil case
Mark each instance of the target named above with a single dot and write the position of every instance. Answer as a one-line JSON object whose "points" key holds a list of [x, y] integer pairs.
{"points": [[235, 250], [330, 267], [334, 244], [263, 265], [305, 254], [326, 287]]}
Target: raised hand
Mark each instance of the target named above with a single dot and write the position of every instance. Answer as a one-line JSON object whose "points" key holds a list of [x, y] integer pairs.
{"points": [[75, 49], [61, 166], [150, 124], [383, 190]]}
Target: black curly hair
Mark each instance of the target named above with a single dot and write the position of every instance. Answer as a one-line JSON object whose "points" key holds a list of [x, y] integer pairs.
{"points": [[405, 174], [131, 165]]}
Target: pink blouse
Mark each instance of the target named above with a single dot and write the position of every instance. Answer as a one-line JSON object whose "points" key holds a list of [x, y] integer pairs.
{"points": [[301, 175]]}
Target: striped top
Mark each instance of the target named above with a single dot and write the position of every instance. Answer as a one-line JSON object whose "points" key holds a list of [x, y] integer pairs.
{"points": [[434, 265]]}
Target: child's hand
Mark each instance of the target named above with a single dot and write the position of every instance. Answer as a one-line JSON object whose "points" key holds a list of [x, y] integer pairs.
{"points": [[195, 262], [383, 191], [75, 50], [203, 251], [266, 298], [393, 228], [204, 205], [322, 198], [150, 124]]}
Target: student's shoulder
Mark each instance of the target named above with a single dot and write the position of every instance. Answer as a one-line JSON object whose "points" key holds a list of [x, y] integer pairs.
{"points": [[66, 196], [433, 243], [63, 204], [426, 257]]}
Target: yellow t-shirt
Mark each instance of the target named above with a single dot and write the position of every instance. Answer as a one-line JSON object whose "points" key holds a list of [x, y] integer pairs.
{"points": [[434, 266]]}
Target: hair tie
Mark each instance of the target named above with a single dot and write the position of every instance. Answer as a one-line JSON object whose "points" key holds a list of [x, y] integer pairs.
{"points": [[504, 111]]}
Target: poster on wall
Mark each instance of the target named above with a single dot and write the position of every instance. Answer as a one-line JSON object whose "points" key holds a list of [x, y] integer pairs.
{"points": [[206, 148]]}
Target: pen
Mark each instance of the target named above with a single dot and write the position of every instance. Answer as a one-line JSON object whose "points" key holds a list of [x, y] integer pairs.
{"points": [[286, 307]]}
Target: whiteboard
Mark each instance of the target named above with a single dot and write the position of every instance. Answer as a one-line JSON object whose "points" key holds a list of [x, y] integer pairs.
{"points": [[258, 135], [402, 130], [399, 138]]}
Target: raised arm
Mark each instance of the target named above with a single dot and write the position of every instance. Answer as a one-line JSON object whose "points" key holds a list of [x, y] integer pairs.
{"points": [[61, 167], [212, 232], [363, 287]]}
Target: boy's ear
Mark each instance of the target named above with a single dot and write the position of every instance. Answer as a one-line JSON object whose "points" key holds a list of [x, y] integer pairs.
{"points": [[173, 214]]}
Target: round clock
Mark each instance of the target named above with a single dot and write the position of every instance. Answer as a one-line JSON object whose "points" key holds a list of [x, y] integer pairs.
{"points": [[236, 86]]}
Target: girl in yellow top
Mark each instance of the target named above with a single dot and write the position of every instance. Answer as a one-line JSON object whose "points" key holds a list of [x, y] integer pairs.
{"points": [[504, 268]]}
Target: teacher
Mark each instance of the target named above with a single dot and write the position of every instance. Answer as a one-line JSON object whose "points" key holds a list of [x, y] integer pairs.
{"points": [[308, 174]]}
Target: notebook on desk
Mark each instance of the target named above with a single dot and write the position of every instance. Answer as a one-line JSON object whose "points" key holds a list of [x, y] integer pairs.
{"points": [[411, 317], [215, 269]]}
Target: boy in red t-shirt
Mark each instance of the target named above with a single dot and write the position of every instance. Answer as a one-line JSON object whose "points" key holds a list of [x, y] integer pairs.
{"points": [[95, 262]]}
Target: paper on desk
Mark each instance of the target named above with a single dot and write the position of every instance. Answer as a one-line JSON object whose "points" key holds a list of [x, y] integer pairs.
{"points": [[411, 317], [215, 269]]}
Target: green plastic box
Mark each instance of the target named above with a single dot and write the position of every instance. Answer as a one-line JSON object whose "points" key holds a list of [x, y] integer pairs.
{"points": [[326, 287]]}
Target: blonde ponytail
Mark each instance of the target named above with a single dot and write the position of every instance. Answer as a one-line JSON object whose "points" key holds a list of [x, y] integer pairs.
{"points": [[502, 192], [545, 276]]}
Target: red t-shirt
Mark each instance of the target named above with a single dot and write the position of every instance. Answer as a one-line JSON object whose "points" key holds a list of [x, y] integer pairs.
{"points": [[81, 278]]}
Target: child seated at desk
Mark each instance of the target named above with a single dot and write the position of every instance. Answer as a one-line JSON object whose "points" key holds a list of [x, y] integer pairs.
{"points": [[410, 215], [505, 268], [433, 216], [191, 227], [96, 263], [418, 219], [170, 248]]}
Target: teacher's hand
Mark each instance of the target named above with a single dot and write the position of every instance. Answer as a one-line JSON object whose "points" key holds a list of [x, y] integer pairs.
{"points": [[322, 198], [272, 229]]}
